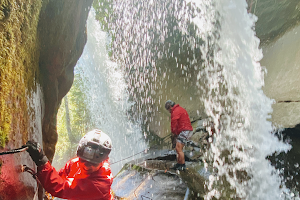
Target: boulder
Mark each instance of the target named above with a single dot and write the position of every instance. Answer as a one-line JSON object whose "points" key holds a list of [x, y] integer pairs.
{"points": [[151, 177], [282, 61], [62, 35]]}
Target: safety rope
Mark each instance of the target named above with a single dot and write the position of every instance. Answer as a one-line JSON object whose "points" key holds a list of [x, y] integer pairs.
{"points": [[32, 172], [145, 150], [131, 156], [143, 196], [14, 151], [34, 175], [190, 143]]}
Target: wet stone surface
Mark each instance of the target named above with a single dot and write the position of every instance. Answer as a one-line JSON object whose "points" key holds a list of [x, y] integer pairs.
{"points": [[153, 178]]}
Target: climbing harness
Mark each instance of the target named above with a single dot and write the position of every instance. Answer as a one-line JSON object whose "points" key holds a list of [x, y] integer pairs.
{"points": [[14, 151]]}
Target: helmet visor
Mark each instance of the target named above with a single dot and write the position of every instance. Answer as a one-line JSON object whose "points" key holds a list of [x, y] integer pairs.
{"points": [[93, 153]]}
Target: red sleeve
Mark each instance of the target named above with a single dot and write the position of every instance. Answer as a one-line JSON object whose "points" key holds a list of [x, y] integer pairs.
{"points": [[63, 172], [80, 187], [174, 122]]}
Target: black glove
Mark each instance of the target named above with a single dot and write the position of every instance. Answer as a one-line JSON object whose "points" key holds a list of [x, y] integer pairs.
{"points": [[173, 139], [36, 153]]}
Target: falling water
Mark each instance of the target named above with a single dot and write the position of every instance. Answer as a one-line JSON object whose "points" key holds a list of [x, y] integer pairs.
{"points": [[235, 101], [230, 81], [108, 97]]}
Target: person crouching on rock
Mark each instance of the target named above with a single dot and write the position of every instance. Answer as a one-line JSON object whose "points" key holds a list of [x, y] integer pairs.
{"points": [[182, 130], [87, 176]]}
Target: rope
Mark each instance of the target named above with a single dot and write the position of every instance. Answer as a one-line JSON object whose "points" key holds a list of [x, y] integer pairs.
{"points": [[34, 175], [191, 143], [130, 156], [143, 196], [32, 172], [36, 195], [14, 151], [141, 151]]}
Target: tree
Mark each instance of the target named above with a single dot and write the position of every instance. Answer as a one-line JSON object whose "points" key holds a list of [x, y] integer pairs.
{"points": [[73, 121]]}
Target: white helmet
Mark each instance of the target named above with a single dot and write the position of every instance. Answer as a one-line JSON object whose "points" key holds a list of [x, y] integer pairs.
{"points": [[94, 147]]}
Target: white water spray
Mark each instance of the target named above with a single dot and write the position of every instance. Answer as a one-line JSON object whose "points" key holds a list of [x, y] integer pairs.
{"points": [[235, 101], [232, 97], [230, 79], [108, 97]]}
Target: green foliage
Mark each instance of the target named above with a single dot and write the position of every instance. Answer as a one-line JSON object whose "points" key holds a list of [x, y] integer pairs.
{"points": [[80, 121], [104, 12], [79, 112], [105, 16]]}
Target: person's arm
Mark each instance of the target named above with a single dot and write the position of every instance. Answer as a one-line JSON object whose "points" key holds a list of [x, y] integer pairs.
{"points": [[79, 187], [174, 123]]}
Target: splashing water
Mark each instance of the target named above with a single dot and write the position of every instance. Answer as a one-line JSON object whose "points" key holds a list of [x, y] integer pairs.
{"points": [[143, 37], [108, 97], [230, 80], [235, 101]]}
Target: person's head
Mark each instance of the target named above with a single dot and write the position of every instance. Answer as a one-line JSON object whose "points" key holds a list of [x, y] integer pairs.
{"points": [[93, 149], [168, 105]]}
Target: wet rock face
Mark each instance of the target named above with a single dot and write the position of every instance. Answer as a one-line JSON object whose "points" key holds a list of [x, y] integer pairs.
{"points": [[151, 177], [18, 81], [147, 185], [15, 184], [40, 42], [62, 34], [274, 17], [282, 61], [288, 162]]}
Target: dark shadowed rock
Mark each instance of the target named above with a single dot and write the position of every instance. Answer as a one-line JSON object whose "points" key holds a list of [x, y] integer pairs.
{"points": [[288, 163], [40, 42], [62, 34], [274, 17]]}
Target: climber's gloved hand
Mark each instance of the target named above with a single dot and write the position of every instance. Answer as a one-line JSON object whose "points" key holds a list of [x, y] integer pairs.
{"points": [[173, 140], [36, 153]]}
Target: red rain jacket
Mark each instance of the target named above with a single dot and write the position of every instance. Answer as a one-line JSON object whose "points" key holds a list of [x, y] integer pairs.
{"points": [[71, 183], [180, 120]]}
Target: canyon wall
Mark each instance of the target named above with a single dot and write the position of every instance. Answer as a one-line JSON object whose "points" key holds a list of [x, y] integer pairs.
{"points": [[40, 42]]}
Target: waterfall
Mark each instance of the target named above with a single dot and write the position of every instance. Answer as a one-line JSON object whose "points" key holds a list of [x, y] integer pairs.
{"points": [[229, 80], [234, 99], [108, 97], [225, 58]]}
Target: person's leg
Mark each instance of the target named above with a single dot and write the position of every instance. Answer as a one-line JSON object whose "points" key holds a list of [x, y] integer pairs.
{"points": [[180, 154]]}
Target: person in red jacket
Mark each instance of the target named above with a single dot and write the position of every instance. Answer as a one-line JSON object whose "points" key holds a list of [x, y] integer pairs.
{"points": [[181, 129], [85, 177]]}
